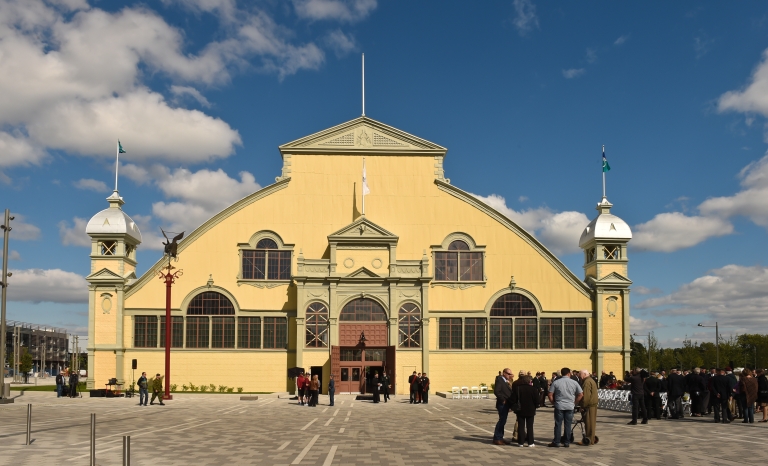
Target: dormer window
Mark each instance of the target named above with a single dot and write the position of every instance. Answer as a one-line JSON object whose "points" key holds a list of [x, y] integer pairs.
{"points": [[265, 260], [611, 252], [108, 248]]}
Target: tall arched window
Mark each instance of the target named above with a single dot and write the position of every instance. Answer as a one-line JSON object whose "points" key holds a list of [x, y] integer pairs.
{"points": [[459, 263], [266, 262], [317, 326], [363, 310], [513, 308], [409, 326], [208, 309]]}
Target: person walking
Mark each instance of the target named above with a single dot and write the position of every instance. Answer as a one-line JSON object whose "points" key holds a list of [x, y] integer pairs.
{"points": [[502, 391], [143, 389], [59, 384], [331, 389], [376, 388], [424, 388], [748, 386], [762, 394], [564, 393], [652, 396], [385, 383], [525, 399], [638, 395], [157, 390], [675, 391], [73, 381], [589, 404]]}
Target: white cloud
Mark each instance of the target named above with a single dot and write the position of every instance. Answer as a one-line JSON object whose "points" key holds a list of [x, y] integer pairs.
{"points": [[621, 40], [525, 19], [335, 10], [52, 285], [751, 201], [17, 149], [753, 98], [643, 290], [12, 256], [74, 235], [668, 232], [340, 43], [573, 73], [591, 55], [91, 184], [23, 231], [559, 231], [642, 325], [701, 46], [735, 296], [181, 91], [522, 198]]}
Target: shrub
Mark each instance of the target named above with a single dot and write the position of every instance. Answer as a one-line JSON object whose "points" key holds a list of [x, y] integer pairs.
{"points": [[184, 388], [203, 388], [230, 389], [239, 389], [222, 388], [212, 387], [192, 387], [173, 387]]}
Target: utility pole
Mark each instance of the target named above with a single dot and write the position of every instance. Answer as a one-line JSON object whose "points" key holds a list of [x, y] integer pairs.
{"points": [[717, 341], [6, 226]]}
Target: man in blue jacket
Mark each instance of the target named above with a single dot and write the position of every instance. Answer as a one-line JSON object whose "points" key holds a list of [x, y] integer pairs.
{"points": [[502, 391]]}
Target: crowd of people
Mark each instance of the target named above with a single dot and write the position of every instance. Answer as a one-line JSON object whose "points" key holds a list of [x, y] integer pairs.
{"points": [[308, 390], [419, 385]]}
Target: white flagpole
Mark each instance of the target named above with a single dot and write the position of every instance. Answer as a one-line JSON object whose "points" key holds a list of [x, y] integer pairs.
{"points": [[363, 84], [603, 172], [117, 160]]}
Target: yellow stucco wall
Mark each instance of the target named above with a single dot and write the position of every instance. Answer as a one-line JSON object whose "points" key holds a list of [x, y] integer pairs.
{"points": [[363, 258], [613, 326], [407, 362], [607, 269], [614, 362], [106, 325]]}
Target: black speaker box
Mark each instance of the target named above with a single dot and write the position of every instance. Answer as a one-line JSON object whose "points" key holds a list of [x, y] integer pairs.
{"points": [[100, 393], [135, 364]]}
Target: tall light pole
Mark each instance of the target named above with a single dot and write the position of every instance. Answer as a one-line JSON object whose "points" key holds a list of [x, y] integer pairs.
{"points": [[717, 340], [649, 348], [6, 226], [169, 276]]}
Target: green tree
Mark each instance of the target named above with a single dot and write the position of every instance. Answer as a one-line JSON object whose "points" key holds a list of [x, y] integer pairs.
{"points": [[688, 355], [667, 359], [25, 361]]}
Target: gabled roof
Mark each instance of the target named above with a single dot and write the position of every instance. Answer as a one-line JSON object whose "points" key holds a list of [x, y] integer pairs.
{"points": [[362, 230], [362, 136], [612, 279], [363, 272], [108, 276]]}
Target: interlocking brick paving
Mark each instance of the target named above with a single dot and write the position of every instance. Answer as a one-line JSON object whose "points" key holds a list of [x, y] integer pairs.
{"points": [[221, 430]]}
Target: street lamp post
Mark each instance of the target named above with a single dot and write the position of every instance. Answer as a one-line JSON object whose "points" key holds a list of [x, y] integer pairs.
{"points": [[717, 340], [168, 275], [6, 226], [649, 348]]}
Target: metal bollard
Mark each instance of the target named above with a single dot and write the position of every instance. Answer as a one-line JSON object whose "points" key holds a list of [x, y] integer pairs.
{"points": [[29, 424], [126, 450], [93, 439]]}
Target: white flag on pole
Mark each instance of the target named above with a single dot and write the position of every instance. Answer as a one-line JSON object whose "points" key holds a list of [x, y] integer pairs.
{"points": [[366, 190]]}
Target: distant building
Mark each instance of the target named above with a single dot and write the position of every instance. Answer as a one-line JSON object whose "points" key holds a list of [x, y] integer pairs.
{"points": [[36, 339], [417, 276]]}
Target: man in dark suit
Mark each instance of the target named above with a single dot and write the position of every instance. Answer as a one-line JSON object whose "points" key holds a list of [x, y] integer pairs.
{"points": [[695, 385], [720, 395], [675, 391], [638, 396], [376, 386], [544, 388], [412, 387], [385, 383], [502, 391], [331, 389], [652, 396], [424, 388]]}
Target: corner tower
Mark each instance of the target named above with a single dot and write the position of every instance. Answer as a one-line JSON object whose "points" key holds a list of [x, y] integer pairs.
{"points": [[604, 242], [114, 239]]}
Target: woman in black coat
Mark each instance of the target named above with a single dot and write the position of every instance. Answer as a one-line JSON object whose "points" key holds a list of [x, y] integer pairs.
{"points": [[528, 398]]}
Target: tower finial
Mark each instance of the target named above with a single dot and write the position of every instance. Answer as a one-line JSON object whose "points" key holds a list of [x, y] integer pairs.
{"points": [[363, 84]]}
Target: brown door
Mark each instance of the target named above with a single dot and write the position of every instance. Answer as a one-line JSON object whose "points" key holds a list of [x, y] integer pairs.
{"points": [[389, 367]]}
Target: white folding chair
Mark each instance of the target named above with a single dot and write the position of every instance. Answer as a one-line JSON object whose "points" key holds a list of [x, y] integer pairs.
{"points": [[465, 393], [484, 392], [455, 393], [475, 391]]}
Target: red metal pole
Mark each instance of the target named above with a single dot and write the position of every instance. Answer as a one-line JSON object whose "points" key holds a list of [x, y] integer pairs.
{"points": [[168, 325]]}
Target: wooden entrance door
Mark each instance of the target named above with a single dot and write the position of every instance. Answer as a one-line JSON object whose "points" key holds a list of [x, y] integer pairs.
{"points": [[357, 366]]}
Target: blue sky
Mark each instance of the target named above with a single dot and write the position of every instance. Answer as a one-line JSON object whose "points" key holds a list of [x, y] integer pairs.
{"points": [[522, 93]]}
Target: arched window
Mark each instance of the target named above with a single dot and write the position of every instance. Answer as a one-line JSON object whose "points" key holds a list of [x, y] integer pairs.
{"points": [[409, 325], [317, 326], [513, 308], [459, 263], [363, 310], [215, 305], [266, 262]]}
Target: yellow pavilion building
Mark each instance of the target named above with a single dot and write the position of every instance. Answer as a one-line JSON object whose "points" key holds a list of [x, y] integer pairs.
{"points": [[418, 276]]}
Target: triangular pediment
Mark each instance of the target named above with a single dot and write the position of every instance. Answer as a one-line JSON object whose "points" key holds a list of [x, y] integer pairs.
{"points": [[360, 136], [363, 229], [363, 272], [614, 278], [105, 275]]}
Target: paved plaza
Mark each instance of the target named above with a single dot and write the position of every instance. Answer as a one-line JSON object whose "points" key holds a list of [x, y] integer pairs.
{"points": [[222, 430]]}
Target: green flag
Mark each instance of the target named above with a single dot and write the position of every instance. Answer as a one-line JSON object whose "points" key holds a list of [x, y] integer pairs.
{"points": [[606, 167], [120, 149]]}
